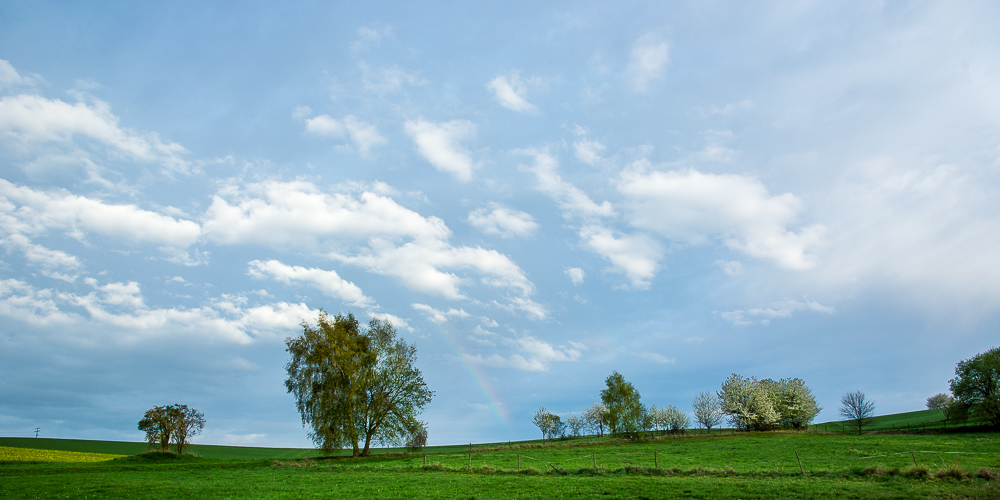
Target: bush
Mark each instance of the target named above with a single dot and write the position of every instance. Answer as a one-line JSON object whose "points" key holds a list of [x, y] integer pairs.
{"points": [[939, 401]]}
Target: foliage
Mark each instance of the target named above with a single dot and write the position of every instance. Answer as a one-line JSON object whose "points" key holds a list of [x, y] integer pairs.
{"points": [[676, 420], [707, 410], [857, 408], [594, 416], [176, 423], [575, 425], [765, 404], [351, 384], [939, 401], [625, 412], [543, 420], [977, 385], [417, 439]]}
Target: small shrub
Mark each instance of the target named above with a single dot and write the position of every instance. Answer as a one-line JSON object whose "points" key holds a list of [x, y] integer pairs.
{"points": [[987, 474], [918, 471], [954, 471]]}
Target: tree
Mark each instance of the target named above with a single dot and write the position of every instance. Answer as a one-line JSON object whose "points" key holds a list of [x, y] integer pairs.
{"points": [[158, 424], [417, 440], [594, 416], [675, 419], [352, 384], [707, 410], [854, 406], [543, 420], [557, 428], [977, 386], [939, 402], [188, 422], [765, 404], [625, 411], [176, 423], [575, 425]]}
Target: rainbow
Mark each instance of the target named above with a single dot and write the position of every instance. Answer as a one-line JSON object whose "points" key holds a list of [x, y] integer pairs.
{"points": [[478, 377]]}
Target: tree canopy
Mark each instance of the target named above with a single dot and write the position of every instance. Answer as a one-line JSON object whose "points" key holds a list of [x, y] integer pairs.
{"points": [[176, 423], [976, 386], [352, 384], [765, 404], [624, 412]]}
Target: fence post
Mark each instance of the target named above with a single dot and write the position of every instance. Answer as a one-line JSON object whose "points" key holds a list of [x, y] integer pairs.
{"points": [[425, 459], [519, 462], [595, 462], [470, 456], [801, 470], [914, 457], [656, 465]]}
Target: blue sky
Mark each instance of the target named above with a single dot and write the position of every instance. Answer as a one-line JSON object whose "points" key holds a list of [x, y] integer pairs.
{"points": [[536, 195]]}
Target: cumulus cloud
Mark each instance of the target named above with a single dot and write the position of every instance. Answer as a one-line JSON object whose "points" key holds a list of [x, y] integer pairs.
{"points": [[117, 312], [503, 221], [30, 119], [532, 354], [328, 282], [694, 208], [576, 275], [588, 151], [657, 358], [647, 62], [51, 261], [782, 309], [363, 135], [368, 230], [634, 255], [28, 211], [440, 316], [441, 145], [572, 200], [9, 77], [510, 93]]}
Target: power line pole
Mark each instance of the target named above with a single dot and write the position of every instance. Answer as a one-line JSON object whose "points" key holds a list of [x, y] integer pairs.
{"points": [[36, 431]]}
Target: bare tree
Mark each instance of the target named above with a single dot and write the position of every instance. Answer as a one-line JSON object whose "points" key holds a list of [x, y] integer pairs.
{"points": [[857, 408], [707, 410]]}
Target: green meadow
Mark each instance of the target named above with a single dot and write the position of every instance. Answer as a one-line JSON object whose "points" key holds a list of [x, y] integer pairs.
{"points": [[938, 463]]}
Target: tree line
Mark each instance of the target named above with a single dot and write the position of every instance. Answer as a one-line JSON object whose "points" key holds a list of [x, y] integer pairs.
{"points": [[748, 403]]}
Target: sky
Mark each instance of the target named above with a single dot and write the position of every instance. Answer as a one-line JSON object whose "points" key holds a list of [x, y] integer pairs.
{"points": [[536, 194]]}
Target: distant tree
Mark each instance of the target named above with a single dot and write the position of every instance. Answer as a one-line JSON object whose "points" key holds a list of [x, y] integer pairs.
{"points": [[352, 384], [977, 385], [543, 420], [677, 421], [189, 422], [939, 401], [765, 404], [177, 423], [707, 410], [857, 408], [575, 425], [557, 428], [594, 416], [657, 418], [625, 410], [417, 439]]}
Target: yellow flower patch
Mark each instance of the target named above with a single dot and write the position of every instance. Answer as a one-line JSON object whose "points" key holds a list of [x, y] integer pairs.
{"points": [[9, 454]]}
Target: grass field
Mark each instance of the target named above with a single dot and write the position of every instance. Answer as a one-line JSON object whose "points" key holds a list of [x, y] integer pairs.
{"points": [[953, 464]]}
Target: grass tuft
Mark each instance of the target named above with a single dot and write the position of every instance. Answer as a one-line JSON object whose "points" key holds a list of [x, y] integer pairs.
{"points": [[953, 471], [987, 474], [918, 472]]}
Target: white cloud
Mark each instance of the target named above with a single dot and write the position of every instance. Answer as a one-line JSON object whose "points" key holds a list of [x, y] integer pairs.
{"points": [[363, 135], [440, 316], [510, 93], [395, 321], [657, 358], [732, 268], [502, 221], [532, 354], [588, 151], [328, 282], [572, 200], [31, 119], [576, 275], [441, 145], [782, 309], [370, 37], [388, 78], [634, 255], [49, 260], [116, 312], [693, 207], [647, 62], [25, 210], [9, 77]]}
